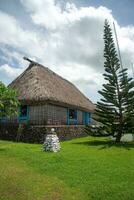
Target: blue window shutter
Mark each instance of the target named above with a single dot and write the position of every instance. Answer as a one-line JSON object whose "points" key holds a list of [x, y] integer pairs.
{"points": [[83, 118], [87, 118], [90, 118]]}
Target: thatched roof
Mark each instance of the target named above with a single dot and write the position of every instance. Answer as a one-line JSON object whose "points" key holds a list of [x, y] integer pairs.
{"points": [[38, 84]]}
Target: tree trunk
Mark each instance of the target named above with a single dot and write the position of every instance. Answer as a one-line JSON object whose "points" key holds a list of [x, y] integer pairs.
{"points": [[120, 132], [118, 137]]}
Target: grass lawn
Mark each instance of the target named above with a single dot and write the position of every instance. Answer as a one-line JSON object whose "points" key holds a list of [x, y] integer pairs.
{"points": [[84, 169]]}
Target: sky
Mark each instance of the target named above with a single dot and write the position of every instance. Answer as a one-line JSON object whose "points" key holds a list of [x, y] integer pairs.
{"points": [[65, 36]]}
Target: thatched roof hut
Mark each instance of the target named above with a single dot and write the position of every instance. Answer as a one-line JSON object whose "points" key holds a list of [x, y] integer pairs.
{"points": [[39, 86]]}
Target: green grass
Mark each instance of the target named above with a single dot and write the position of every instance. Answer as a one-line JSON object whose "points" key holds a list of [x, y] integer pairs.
{"points": [[84, 169]]}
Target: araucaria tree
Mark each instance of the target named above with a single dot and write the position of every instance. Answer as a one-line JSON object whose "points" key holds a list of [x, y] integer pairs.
{"points": [[116, 107], [8, 101]]}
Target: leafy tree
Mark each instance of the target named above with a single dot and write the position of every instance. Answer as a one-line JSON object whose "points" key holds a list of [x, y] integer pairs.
{"points": [[8, 101], [115, 110]]}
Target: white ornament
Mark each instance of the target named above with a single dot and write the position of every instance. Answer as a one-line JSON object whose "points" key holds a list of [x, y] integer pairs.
{"points": [[51, 143]]}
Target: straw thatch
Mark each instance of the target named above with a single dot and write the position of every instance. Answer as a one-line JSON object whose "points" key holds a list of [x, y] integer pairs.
{"points": [[39, 85]]}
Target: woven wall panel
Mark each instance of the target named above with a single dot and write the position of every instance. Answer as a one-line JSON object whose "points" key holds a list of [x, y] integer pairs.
{"points": [[47, 114], [56, 115], [38, 115]]}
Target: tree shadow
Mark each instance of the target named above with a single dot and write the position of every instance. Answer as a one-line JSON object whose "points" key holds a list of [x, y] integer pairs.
{"points": [[2, 149], [107, 144]]}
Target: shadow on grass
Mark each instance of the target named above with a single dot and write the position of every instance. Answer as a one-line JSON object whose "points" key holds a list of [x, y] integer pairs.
{"points": [[107, 144], [2, 149]]}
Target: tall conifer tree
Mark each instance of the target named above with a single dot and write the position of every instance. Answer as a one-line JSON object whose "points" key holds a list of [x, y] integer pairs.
{"points": [[116, 107]]}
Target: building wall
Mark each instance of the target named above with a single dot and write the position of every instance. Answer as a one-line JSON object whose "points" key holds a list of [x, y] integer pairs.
{"points": [[47, 114], [51, 115]]}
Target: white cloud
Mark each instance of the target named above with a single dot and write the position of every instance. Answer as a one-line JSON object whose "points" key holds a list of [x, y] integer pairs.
{"points": [[46, 13], [14, 35], [10, 71], [69, 40], [50, 14], [7, 72]]}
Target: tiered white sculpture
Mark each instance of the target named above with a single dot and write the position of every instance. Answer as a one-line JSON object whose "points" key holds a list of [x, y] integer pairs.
{"points": [[51, 142]]}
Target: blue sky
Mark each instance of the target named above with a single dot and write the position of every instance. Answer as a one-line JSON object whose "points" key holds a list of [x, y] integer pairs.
{"points": [[66, 36], [122, 9]]}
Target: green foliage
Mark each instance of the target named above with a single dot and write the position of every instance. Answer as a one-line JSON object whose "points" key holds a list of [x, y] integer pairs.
{"points": [[85, 169], [8, 101], [116, 107]]}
